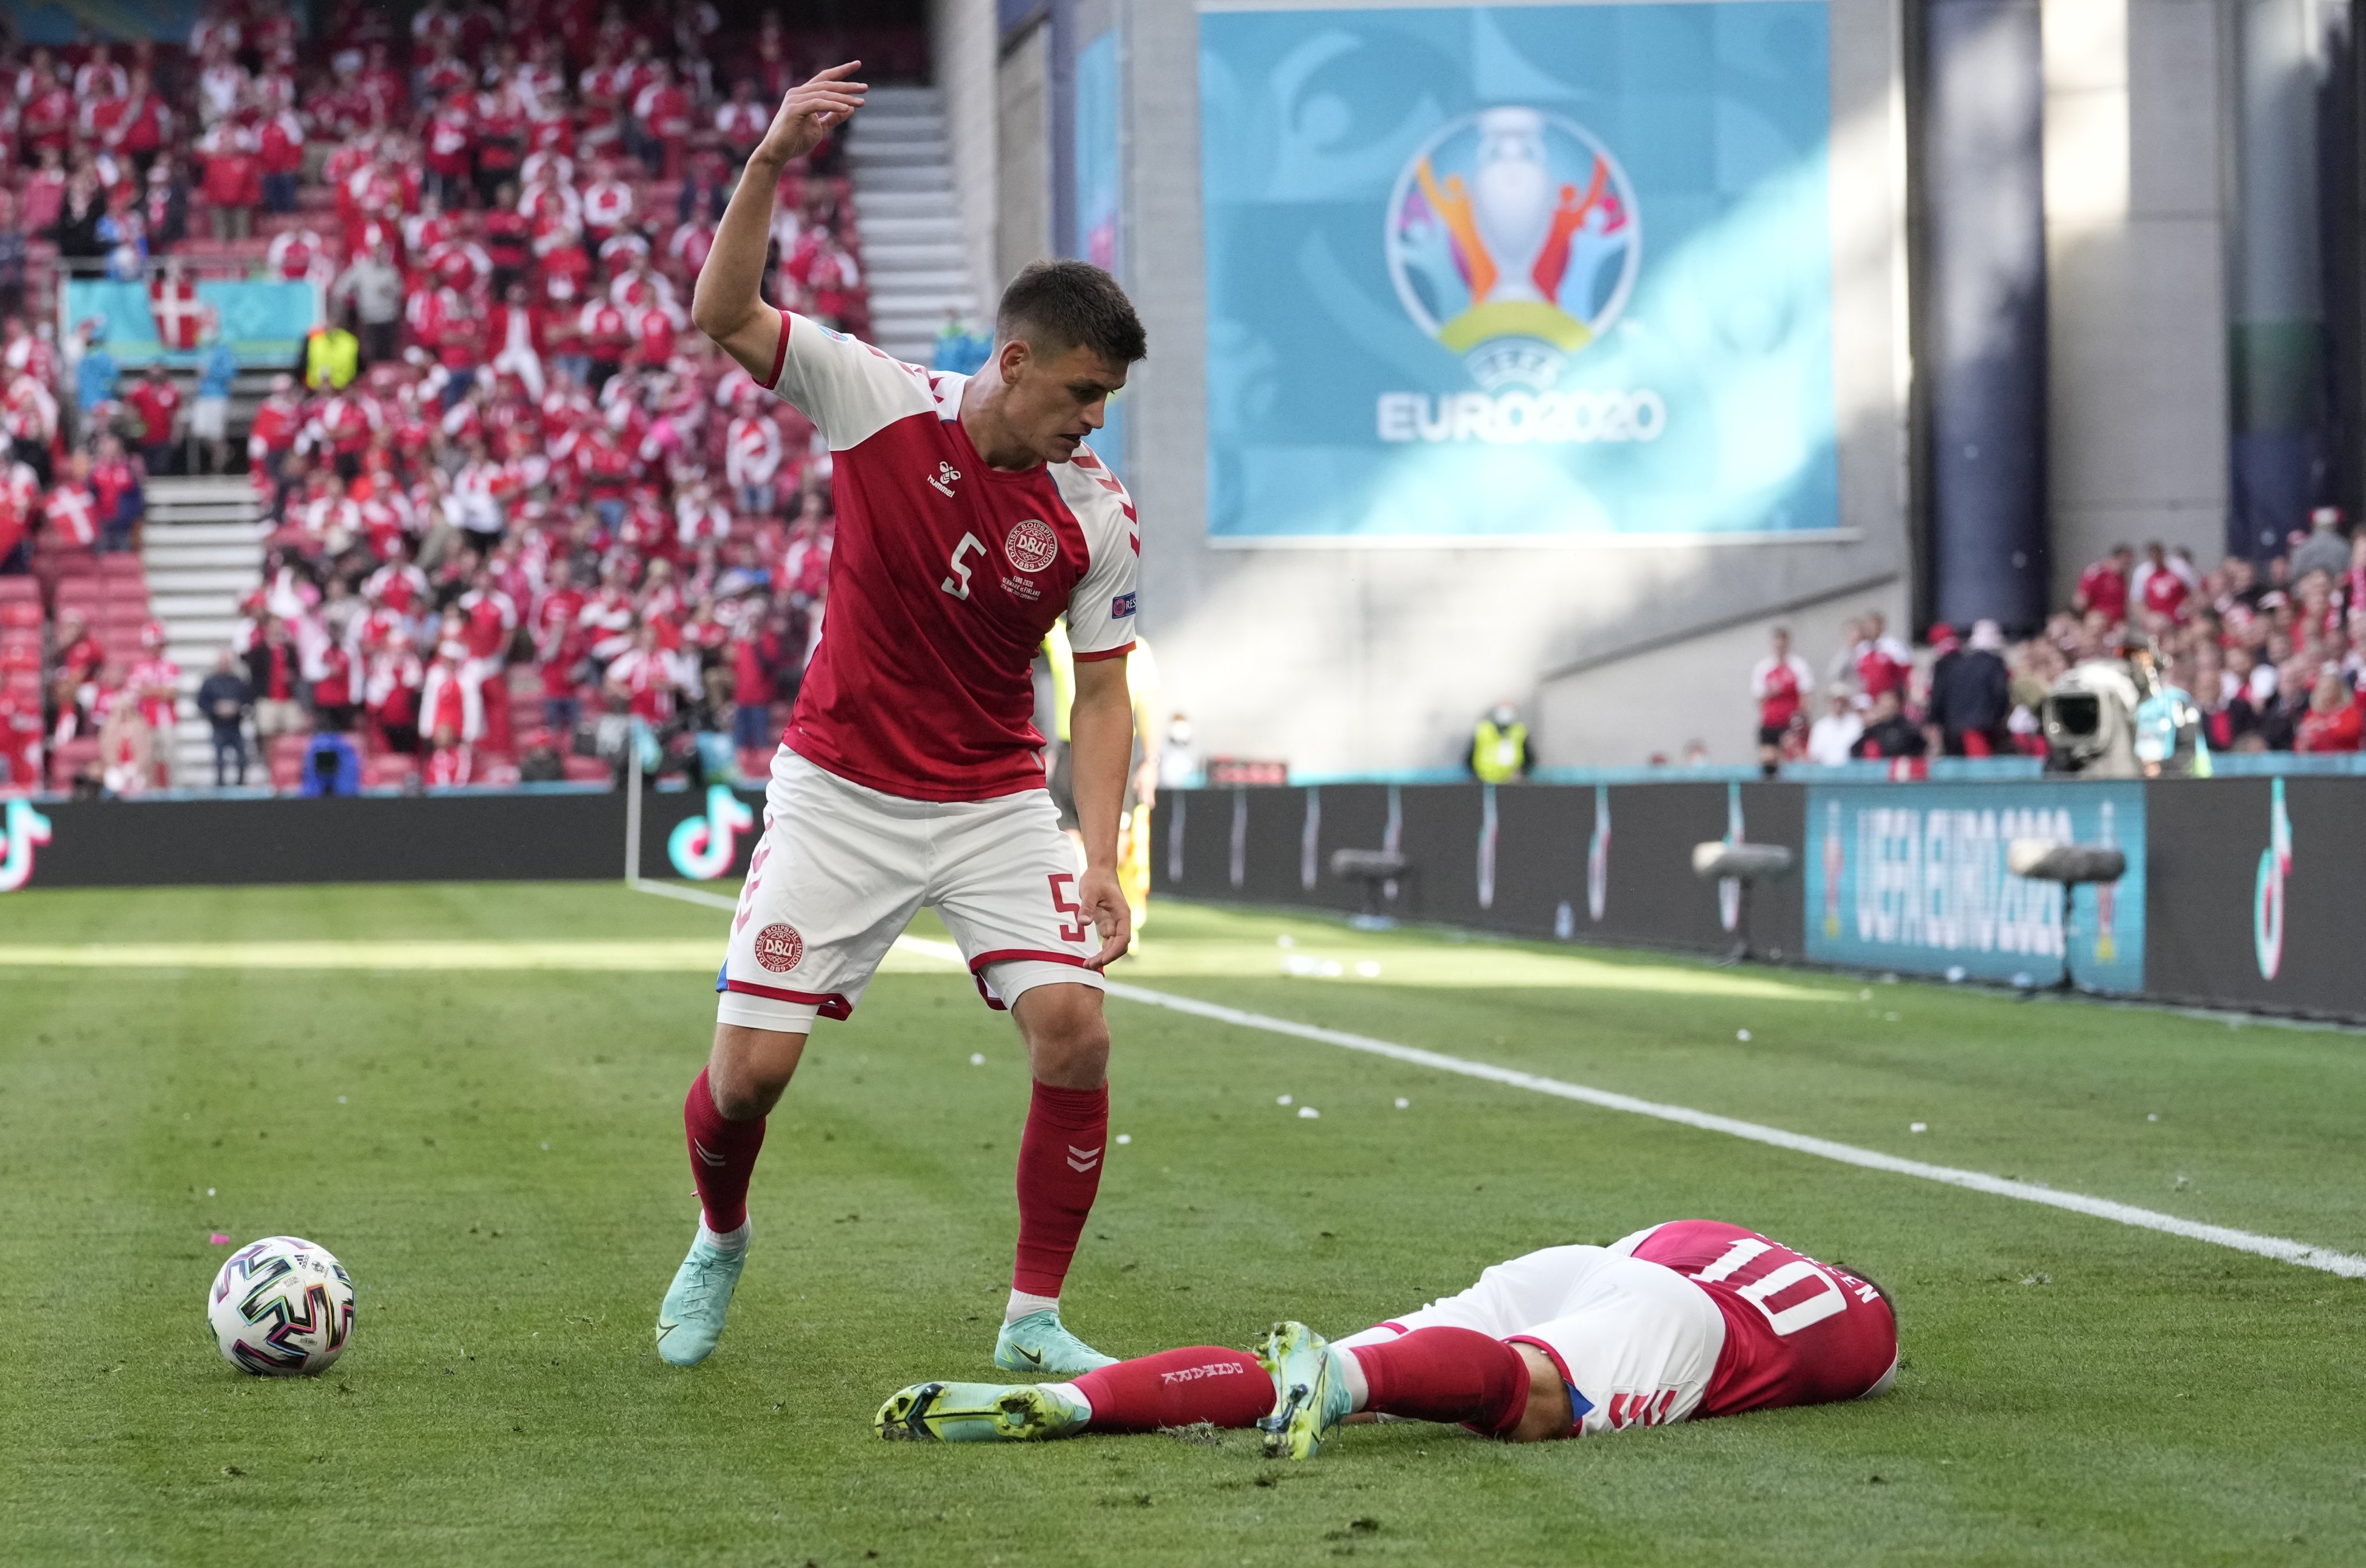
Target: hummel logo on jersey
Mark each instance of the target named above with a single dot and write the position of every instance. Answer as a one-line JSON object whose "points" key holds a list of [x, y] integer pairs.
{"points": [[1212, 1370], [1082, 1160], [941, 481]]}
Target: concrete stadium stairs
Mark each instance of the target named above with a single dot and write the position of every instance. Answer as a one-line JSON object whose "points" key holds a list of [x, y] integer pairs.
{"points": [[913, 261], [203, 552]]}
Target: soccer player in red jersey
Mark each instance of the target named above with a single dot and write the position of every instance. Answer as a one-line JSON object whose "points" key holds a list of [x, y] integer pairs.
{"points": [[971, 515], [1678, 1322]]}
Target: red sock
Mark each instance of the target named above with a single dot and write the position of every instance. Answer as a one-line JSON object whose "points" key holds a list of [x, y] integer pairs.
{"points": [[1176, 1388], [722, 1157], [1446, 1374], [1059, 1171]]}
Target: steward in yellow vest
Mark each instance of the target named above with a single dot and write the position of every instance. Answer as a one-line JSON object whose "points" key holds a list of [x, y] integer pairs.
{"points": [[1499, 745]]}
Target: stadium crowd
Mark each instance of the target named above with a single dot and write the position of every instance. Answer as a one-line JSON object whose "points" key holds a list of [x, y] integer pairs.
{"points": [[2272, 656], [514, 500]]}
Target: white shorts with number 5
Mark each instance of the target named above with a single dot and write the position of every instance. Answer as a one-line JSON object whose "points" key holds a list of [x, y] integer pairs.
{"points": [[841, 869]]}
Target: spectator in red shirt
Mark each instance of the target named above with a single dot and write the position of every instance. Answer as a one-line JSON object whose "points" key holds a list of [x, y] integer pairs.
{"points": [[115, 482], [2104, 585], [2334, 721], [157, 401], [1780, 683], [755, 653], [1881, 661], [2159, 585], [233, 180]]}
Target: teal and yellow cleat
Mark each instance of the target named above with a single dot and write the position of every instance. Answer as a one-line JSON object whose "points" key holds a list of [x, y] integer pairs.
{"points": [[1309, 1392], [1038, 1345], [691, 1319], [979, 1413]]}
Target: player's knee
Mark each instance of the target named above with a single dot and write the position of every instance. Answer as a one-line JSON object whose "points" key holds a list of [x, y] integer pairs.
{"points": [[1547, 1415], [1067, 1038], [750, 1069]]}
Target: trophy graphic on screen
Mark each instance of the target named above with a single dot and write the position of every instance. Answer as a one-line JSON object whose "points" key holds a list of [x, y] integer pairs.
{"points": [[1512, 199], [1512, 240]]}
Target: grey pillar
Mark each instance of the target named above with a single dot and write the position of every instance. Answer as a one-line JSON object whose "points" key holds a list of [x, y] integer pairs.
{"points": [[2276, 331], [1981, 303]]}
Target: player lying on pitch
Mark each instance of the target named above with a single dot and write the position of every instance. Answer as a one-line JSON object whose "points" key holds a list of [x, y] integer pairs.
{"points": [[1679, 1321]]}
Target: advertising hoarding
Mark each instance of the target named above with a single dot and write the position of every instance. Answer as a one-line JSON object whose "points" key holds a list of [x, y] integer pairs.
{"points": [[1913, 878]]}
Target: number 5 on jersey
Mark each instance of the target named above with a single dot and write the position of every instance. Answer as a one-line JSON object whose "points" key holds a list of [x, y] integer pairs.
{"points": [[958, 584]]}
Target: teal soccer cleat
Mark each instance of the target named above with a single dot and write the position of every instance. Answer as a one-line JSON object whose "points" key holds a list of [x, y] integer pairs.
{"points": [[691, 1319], [1309, 1392], [979, 1413], [1038, 1345]]}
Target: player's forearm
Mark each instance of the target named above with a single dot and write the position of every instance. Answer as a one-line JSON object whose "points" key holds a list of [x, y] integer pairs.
{"points": [[730, 285], [1101, 748]]}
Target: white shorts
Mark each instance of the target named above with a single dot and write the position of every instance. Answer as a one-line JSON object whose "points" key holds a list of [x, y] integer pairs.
{"points": [[841, 869], [1636, 1342], [209, 418]]}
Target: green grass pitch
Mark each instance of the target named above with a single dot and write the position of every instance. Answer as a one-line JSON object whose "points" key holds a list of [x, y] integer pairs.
{"points": [[496, 1155]]}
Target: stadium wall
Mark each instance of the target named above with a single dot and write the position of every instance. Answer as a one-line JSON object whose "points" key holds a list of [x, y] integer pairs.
{"points": [[2235, 894], [1380, 656]]}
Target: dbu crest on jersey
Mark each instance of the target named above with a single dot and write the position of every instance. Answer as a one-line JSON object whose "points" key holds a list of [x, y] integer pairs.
{"points": [[778, 947], [1032, 546]]}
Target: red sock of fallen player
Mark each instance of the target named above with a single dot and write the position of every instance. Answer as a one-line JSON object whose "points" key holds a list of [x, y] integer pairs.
{"points": [[722, 1157], [1176, 1388], [1446, 1374], [1059, 1172]]}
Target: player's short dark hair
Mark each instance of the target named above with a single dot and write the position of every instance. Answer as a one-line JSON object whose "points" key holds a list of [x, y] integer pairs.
{"points": [[1886, 1298], [1054, 306]]}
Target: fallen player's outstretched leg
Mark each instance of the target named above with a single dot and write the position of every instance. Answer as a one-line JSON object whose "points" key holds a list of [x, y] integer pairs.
{"points": [[1175, 1388]]}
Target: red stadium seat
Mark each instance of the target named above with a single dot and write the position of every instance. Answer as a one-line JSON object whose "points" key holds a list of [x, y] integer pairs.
{"points": [[587, 769], [388, 768], [16, 614]]}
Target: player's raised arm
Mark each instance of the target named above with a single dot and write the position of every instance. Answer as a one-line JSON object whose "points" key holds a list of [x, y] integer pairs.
{"points": [[729, 305]]}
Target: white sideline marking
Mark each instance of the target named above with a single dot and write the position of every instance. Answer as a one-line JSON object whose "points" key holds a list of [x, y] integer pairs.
{"points": [[688, 895], [2349, 1265]]}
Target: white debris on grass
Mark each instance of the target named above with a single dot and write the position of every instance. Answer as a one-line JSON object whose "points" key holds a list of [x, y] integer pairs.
{"points": [[1308, 1113], [977, 1059], [1125, 1138], [1285, 941], [1402, 1103], [1918, 1126], [1281, 1099], [1742, 1035], [1369, 969]]}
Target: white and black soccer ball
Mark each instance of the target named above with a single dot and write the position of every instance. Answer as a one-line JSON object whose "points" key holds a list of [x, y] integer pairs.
{"points": [[281, 1307]]}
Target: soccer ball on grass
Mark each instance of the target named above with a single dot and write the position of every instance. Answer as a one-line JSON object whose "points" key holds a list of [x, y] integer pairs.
{"points": [[281, 1307]]}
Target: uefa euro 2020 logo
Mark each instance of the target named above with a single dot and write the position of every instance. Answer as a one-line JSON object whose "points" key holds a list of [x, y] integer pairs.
{"points": [[1513, 240]]}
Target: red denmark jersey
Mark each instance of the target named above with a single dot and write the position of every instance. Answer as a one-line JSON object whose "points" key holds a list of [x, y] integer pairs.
{"points": [[1797, 1331], [945, 578]]}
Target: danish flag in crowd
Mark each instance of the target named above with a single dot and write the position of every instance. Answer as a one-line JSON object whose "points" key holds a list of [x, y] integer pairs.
{"points": [[174, 302]]}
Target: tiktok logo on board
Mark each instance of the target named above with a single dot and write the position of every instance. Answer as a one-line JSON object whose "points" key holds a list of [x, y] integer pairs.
{"points": [[704, 847], [2268, 890], [22, 831]]}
